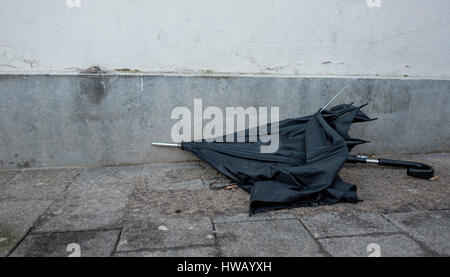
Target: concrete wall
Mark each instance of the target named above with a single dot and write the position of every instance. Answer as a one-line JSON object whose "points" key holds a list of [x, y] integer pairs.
{"points": [[109, 119], [395, 56], [292, 37]]}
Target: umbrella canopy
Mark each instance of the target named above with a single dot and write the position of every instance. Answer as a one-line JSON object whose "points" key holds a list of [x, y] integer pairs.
{"points": [[304, 170]]}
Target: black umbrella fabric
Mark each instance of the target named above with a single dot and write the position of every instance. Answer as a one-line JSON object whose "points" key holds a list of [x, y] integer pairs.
{"points": [[303, 172]]}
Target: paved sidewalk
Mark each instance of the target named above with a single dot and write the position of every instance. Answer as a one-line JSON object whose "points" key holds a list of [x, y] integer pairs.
{"points": [[169, 210]]}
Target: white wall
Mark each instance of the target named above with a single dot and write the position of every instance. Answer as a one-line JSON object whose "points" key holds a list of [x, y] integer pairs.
{"points": [[321, 37]]}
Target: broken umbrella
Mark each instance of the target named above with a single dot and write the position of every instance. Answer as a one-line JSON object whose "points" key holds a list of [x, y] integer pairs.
{"points": [[304, 170]]}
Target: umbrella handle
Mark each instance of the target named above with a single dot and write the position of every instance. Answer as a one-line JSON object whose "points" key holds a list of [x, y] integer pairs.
{"points": [[414, 169]]}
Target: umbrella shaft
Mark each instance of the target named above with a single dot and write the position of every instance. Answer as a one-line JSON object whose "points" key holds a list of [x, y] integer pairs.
{"points": [[362, 159]]}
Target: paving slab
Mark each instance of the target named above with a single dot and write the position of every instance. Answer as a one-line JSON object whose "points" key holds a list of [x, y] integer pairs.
{"points": [[189, 203], [256, 217], [90, 243], [395, 245], [209, 251], [268, 238], [95, 200], [163, 168], [210, 174], [175, 172], [189, 176], [112, 175], [180, 190], [346, 224], [16, 218], [39, 184], [196, 184], [432, 228], [7, 175], [167, 173], [390, 190], [170, 173], [175, 198], [144, 232]]}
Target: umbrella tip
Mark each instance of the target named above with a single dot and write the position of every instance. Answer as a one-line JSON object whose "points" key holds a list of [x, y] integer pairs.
{"points": [[363, 105], [166, 144]]}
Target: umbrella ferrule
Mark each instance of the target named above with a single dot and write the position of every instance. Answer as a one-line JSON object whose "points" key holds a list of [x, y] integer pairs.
{"points": [[374, 161], [166, 144]]}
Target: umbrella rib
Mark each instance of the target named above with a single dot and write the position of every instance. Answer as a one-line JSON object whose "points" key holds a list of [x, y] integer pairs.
{"points": [[334, 98]]}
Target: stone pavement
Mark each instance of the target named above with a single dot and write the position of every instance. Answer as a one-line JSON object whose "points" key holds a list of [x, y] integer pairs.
{"points": [[169, 210]]}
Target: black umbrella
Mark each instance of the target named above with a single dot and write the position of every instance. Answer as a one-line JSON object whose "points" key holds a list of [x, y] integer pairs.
{"points": [[304, 171]]}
